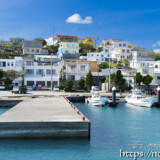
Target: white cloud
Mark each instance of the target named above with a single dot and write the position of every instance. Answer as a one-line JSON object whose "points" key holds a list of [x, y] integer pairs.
{"points": [[76, 18], [156, 44], [49, 41], [157, 51]]}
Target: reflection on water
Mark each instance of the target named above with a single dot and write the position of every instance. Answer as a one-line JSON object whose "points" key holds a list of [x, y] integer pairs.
{"points": [[112, 129]]}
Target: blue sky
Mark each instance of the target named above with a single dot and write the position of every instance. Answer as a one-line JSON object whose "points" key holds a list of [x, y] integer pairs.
{"points": [[135, 21]]}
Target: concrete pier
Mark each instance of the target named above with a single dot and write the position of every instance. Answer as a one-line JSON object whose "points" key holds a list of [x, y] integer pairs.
{"points": [[43, 117]]}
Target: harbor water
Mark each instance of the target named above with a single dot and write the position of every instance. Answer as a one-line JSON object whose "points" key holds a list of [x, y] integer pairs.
{"points": [[112, 129]]}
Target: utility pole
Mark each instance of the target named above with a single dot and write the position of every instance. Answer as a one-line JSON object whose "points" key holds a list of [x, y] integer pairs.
{"points": [[109, 75], [51, 73], [52, 66]]}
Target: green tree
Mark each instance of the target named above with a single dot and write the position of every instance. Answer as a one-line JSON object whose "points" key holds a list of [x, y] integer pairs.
{"points": [[106, 80], [1, 73], [138, 79], [147, 80], [12, 74], [125, 62], [104, 65], [153, 54], [69, 85], [41, 40], [85, 48], [81, 84], [7, 82], [119, 80], [89, 79], [52, 48]]}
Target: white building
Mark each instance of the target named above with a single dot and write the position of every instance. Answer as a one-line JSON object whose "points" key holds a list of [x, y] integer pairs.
{"points": [[38, 71], [11, 64], [100, 57], [77, 70], [69, 47], [33, 48]]}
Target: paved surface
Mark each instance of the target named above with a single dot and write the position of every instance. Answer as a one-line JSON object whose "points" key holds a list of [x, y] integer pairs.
{"points": [[54, 109], [6, 94]]}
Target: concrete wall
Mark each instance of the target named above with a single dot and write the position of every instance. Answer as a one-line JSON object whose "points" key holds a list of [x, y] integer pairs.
{"points": [[44, 129]]}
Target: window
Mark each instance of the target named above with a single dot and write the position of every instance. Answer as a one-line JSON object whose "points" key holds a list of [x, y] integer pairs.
{"points": [[144, 71], [120, 45], [156, 66], [26, 50], [124, 45], [73, 67], [82, 68], [123, 50], [106, 50], [12, 64], [40, 63], [29, 63], [29, 71], [66, 51], [8, 64], [32, 50], [91, 66], [40, 72], [101, 55], [48, 72], [127, 50], [82, 77], [37, 50]]}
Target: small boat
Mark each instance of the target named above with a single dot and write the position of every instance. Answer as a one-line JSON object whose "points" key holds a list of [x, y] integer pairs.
{"points": [[96, 99], [137, 98]]}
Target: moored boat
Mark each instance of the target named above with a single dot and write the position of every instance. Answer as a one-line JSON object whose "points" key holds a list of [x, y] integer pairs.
{"points": [[137, 98], [96, 99]]}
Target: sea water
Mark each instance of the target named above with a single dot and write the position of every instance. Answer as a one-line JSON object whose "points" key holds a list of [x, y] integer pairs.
{"points": [[112, 129]]}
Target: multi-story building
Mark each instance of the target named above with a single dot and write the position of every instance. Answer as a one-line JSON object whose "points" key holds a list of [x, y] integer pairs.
{"points": [[37, 65], [109, 43], [14, 64], [38, 71], [104, 56], [87, 40], [11, 64], [62, 38], [122, 53], [69, 50], [77, 70], [157, 72], [33, 48]]}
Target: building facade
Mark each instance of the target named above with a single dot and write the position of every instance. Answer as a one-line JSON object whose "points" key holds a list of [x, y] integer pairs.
{"points": [[38, 71], [11, 64], [86, 40], [63, 38]]}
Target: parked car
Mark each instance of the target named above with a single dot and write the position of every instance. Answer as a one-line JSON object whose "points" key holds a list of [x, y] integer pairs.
{"points": [[21, 90], [15, 89], [2, 87], [56, 88]]}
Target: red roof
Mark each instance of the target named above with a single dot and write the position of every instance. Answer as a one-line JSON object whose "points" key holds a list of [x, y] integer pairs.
{"points": [[67, 36]]}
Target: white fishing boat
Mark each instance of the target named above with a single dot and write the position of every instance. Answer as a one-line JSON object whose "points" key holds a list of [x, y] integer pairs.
{"points": [[96, 99], [137, 98]]}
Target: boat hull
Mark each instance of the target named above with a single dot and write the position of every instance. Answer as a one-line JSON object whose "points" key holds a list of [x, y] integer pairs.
{"points": [[147, 102], [100, 102]]}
